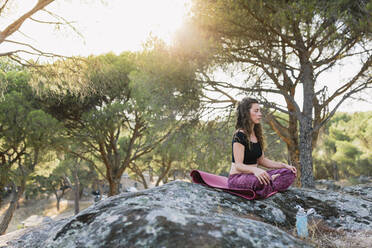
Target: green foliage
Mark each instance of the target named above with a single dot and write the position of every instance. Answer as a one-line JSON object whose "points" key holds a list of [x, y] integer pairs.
{"points": [[44, 185], [165, 82], [14, 111], [345, 147], [170, 157], [26, 132], [41, 129], [51, 182], [276, 149], [120, 108], [7, 65], [211, 148]]}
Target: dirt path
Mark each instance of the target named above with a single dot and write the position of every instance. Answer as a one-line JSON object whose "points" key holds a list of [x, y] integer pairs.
{"points": [[42, 207], [38, 209]]}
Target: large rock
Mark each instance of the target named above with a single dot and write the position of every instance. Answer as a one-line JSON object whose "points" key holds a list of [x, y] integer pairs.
{"points": [[327, 184], [363, 191], [181, 214], [349, 209], [178, 214]]}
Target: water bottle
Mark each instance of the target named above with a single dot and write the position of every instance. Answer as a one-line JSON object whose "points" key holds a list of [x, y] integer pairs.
{"points": [[301, 222]]}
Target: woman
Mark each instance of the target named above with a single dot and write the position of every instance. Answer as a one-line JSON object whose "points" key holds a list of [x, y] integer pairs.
{"points": [[247, 153]]}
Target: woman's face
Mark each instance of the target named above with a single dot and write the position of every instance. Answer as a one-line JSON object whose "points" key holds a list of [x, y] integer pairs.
{"points": [[255, 113]]}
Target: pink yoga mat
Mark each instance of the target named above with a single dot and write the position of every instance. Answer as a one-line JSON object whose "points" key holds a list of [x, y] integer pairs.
{"points": [[220, 182]]}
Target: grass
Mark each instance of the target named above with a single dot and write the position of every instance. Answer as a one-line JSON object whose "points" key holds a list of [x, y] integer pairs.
{"points": [[323, 236]]}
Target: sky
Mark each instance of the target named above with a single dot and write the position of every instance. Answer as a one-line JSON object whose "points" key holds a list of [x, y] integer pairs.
{"points": [[124, 25], [105, 25]]}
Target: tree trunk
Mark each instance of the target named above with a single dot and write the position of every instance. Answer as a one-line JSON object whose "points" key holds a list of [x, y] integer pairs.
{"points": [[163, 177], [143, 179], [139, 174], [293, 147], [294, 154], [151, 174], [335, 171], [81, 190], [306, 124], [306, 158], [58, 198], [114, 186], [11, 209], [294, 159], [289, 135], [76, 190]]}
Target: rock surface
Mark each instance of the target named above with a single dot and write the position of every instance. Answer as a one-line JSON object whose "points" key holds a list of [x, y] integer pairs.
{"points": [[181, 214], [349, 209], [327, 184]]}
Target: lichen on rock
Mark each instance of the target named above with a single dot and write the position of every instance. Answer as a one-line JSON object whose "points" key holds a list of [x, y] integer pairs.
{"points": [[181, 214]]}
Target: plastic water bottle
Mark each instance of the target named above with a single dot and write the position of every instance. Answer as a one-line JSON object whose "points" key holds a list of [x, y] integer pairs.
{"points": [[301, 222]]}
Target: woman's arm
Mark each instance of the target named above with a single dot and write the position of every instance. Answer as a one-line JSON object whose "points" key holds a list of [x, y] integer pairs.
{"points": [[238, 150], [265, 162]]}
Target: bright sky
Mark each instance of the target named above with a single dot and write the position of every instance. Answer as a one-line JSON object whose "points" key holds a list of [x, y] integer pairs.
{"points": [[122, 25], [106, 25]]}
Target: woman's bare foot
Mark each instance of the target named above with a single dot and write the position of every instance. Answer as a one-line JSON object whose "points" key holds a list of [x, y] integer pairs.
{"points": [[275, 176]]}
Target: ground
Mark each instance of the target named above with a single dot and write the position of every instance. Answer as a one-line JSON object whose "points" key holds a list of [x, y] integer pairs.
{"points": [[39, 207], [324, 237]]}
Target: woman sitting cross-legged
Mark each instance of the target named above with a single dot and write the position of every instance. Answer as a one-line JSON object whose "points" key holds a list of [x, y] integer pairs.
{"points": [[247, 153]]}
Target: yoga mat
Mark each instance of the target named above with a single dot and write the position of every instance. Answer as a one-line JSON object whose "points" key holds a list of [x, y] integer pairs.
{"points": [[220, 182]]}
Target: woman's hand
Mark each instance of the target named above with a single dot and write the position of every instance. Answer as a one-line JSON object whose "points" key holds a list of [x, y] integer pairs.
{"points": [[290, 167], [262, 176]]}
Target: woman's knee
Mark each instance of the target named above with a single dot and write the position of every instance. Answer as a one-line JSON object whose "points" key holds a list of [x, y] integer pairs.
{"points": [[286, 171], [284, 181]]}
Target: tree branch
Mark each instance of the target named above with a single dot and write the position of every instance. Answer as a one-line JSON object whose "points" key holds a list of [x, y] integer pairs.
{"points": [[18, 23], [346, 96], [349, 84], [3, 6], [46, 22]]}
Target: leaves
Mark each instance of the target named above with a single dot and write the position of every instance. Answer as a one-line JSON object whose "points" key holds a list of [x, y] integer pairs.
{"points": [[346, 146]]}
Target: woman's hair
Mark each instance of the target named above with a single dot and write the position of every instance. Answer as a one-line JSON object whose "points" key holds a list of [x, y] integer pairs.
{"points": [[245, 123]]}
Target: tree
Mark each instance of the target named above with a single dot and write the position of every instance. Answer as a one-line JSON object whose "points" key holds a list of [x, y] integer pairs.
{"points": [[72, 169], [344, 150], [133, 108], [171, 153], [53, 184], [211, 146], [26, 134], [282, 45]]}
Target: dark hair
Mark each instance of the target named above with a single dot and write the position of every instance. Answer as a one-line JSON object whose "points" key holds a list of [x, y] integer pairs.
{"points": [[245, 123]]}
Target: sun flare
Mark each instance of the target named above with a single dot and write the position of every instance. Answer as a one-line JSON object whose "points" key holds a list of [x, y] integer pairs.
{"points": [[104, 26]]}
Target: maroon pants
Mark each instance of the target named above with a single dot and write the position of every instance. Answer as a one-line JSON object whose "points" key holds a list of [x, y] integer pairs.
{"points": [[250, 181]]}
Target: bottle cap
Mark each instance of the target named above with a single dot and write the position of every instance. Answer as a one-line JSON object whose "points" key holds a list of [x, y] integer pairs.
{"points": [[310, 211], [299, 208]]}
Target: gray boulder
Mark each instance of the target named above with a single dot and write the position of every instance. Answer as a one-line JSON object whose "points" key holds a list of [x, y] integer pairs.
{"points": [[363, 191], [340, 210], [327, 184], [181, 214], [177, 214]]}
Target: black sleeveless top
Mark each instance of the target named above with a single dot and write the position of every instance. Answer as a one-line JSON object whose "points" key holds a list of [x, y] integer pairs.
{"points": [[250, 156]]}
